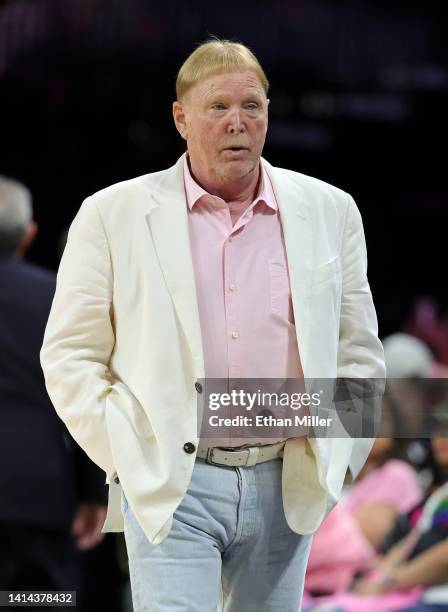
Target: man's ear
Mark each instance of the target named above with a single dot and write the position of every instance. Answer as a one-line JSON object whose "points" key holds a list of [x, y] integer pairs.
{"points": [[180, 119], [27, 238]]}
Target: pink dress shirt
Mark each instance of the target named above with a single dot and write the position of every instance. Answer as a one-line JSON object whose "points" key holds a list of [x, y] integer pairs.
{"points": [[244, 298]]}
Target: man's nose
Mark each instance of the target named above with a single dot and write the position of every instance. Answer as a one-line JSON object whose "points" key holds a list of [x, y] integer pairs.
{"points": [[236, 123]]}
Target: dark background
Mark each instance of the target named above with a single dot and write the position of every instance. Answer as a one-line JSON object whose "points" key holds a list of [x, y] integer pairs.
{"points": [[358, 99]]}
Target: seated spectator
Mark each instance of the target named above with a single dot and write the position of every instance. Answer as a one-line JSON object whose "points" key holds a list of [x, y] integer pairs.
{"points": [[348, 540], [411, 568]]}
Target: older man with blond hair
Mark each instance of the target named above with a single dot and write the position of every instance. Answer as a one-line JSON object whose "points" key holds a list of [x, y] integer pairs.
{"points": [[222, 267]]}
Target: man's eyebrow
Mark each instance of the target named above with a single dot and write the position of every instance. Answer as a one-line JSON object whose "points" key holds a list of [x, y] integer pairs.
{"points": [[220, 94]]}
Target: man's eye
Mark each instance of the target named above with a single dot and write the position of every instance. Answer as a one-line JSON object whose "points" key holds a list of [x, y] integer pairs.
{"points": [[251, 106], [218, 106]]}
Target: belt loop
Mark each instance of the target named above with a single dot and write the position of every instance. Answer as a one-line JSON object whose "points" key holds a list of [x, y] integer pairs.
{"points": [[253, 455], [209, 456]]}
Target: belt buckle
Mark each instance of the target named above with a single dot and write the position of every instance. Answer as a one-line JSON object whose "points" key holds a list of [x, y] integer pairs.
{"points": [[209, 456]]}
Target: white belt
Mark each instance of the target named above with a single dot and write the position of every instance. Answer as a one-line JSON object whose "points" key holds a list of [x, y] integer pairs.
{"points": [[245, 456]]}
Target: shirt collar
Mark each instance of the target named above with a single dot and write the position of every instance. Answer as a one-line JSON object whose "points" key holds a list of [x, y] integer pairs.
{"points": [[195, 192]]}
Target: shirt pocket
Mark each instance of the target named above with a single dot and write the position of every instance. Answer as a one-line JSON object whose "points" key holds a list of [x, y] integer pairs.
{"points": [[279, 289]]}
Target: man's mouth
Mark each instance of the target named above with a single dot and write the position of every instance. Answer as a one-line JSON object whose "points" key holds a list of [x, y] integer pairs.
{"points": [[235, 149]]}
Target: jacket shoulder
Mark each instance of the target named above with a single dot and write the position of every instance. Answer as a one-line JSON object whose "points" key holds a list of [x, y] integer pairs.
{"points": [[313, 185], [128, 190]]}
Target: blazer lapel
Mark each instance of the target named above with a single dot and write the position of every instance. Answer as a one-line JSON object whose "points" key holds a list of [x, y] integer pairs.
{"points": [[298, 235], [167, 220]]}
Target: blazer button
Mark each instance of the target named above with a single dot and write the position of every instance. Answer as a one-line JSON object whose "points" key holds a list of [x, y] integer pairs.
{"points": [[116, 480], [189, 447], [198, 387]]}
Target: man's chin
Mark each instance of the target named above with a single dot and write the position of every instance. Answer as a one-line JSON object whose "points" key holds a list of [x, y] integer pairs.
{"points": [[236, 169]]}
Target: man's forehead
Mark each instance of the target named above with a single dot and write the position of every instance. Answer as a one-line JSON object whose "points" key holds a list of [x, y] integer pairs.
{"points": [[221, 82]]}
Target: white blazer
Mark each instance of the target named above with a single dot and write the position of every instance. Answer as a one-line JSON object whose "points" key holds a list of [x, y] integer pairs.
{"points": [[122, 349]]}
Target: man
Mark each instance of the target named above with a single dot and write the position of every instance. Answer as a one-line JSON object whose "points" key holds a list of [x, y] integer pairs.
{"points": [[51, 495], [221, 267]]}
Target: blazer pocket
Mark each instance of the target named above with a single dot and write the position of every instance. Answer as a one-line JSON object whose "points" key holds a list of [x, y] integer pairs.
{"points": [[126, 402], [327, 271]]}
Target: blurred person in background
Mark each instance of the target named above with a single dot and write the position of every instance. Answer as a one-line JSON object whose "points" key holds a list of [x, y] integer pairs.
{"points": [[416, 384], [52, 497], [348, 540], [411, 572], [387, 488], [408, 362], [428, 323]]}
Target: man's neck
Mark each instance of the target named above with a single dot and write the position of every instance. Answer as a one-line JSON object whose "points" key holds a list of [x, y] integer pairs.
{"points": [[239, 190]]}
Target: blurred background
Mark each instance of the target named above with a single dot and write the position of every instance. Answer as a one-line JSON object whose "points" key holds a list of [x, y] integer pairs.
{"points": [[359, 92]]}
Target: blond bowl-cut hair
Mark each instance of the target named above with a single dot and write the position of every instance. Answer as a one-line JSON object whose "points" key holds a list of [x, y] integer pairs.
{"points": [[214, 57]]}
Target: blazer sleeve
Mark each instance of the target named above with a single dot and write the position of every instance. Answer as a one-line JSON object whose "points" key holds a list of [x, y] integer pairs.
{"points": [[79, 336], [360, 351]]}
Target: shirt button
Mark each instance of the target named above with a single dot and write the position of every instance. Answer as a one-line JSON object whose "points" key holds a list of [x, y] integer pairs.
{"points": [[116, 480], [235, 335], [232, 287], [198, 387], [189, 447]]}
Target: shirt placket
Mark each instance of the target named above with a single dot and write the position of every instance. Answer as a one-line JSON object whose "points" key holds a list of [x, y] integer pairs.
{"points": [[232, 297]]}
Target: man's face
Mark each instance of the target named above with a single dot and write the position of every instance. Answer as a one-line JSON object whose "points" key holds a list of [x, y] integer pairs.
{"points": [[224, 119]]}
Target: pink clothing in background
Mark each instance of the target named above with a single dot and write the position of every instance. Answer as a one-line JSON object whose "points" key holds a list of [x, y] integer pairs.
{"points": [[394, 483], [338, 551], [351, 602], [242, 284], [339, 547]]}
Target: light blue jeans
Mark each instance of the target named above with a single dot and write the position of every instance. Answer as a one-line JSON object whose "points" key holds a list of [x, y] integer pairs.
{"points": [[229, 547]]}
